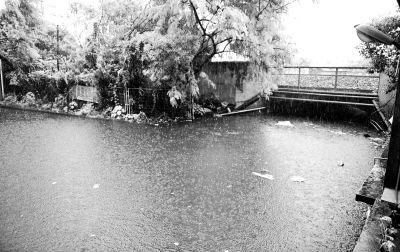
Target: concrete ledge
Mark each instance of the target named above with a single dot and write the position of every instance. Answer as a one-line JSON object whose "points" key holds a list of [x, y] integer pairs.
{"points": [[371, 234], [372, 187], [62, 113]]}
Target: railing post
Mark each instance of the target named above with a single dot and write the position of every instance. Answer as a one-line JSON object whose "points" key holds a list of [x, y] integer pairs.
{"points": [[298, 78], [336, 75]]}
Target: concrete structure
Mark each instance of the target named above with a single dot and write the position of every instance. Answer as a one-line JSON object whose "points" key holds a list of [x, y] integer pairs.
{"points": [[232, 82]]}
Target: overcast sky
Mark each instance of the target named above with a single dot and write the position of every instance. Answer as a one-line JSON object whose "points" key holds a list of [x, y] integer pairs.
{"points": [[322, 31]]}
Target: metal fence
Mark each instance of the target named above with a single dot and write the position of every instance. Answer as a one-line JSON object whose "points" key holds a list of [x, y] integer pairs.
{"points": [[342, 78], [148, 100]]}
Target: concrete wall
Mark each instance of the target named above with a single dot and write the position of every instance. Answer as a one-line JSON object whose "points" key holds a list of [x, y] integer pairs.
{"points": [[232, 82]]}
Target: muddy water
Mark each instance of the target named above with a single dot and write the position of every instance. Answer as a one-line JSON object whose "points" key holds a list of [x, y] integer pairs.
{"points": [[71, 184]]}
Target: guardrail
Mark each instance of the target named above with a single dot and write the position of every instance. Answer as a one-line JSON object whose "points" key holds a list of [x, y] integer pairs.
{"points": [[330, 77]]}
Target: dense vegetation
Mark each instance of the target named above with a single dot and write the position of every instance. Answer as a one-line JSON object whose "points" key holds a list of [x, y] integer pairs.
{"points": [[384, 58], [157, 45]]}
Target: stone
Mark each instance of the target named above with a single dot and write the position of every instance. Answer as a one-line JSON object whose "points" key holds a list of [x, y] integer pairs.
{"points": [[386, 221], [73, 105], [388, 246], [46, 106], [135, 116], [117, 108], [87, 108], [10, 99], [119, 112]]}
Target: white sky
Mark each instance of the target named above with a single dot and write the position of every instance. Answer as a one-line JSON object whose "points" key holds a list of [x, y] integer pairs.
{"points": [[324, 33]]}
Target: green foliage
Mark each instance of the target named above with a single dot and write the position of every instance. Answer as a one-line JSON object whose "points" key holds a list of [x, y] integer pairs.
{"points": [[383, 57], [158, 44]]}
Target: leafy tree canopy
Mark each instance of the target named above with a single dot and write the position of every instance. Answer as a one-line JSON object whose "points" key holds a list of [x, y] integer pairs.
{"points": [[383, 57]]}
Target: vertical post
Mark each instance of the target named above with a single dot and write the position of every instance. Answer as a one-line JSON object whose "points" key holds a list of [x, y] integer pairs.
{"points": [[58, 62], [336, 75], [392, 175], [298, 78], [1, 81]]}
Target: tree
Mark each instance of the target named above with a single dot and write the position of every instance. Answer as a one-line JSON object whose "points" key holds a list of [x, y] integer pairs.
{"points": [[384, 58]]}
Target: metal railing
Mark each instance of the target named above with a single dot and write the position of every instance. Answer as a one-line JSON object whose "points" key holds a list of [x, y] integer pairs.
{"points": [[330, 77]]}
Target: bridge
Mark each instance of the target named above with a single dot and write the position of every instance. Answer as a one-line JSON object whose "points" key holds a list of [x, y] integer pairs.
{"points": [[348, 86], [335, 85]]}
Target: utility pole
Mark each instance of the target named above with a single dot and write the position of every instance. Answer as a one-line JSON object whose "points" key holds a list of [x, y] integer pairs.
{"points": [[58, 62]]}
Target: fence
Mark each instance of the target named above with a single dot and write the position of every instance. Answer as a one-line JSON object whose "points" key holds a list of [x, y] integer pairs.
{"points": [[84, 93], [342, 78], [148, 100]]}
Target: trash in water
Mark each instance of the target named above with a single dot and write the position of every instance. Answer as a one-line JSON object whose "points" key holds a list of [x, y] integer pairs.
{"points": [[95, 186], [217, 133], [232, 133], [229, 186], [366, 135], [285, 123], [297, 179], [377, 140], [338, 132], [54, 183], [340, 163], [267, 176], [176, 243], [92, 235]]}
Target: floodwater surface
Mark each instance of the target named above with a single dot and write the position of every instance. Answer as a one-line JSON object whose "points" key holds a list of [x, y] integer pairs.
{"points": [[72, 184]]}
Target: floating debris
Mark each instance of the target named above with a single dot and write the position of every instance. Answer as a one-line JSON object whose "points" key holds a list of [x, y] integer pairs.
{"points": [[228, 186], [176, 243], [95, 186], [285, 123], [54, 183], [340, 163], [338, 132], [267, 176], [377, 140], [92, 235], [297, 179], [232, 133]]}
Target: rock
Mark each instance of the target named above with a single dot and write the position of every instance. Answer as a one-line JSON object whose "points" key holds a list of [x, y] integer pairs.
{"points": [[46, 106], [386, 221], [142, 117], [59, 101], [392, 232], [78, 113], [135, 116], [388, 246], [29, 98], [10, 99], [117, 108], [65, 109], [119, 112], [87, 108], [113, 115], [129, 117], [73, 105]]}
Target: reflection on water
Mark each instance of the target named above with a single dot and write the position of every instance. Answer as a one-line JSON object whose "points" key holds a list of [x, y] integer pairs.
{"points": [[70, 184]]}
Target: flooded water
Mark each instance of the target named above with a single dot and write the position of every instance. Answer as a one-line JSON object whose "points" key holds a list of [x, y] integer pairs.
{"points": [[71, 184]]}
